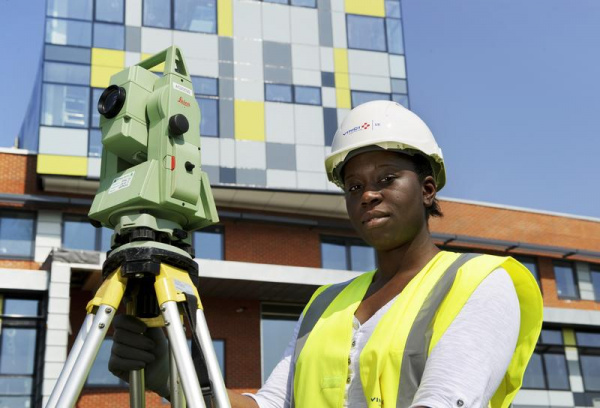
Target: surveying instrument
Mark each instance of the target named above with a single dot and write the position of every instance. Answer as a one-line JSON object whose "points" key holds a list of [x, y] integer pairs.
{"points": [[152, 194]]}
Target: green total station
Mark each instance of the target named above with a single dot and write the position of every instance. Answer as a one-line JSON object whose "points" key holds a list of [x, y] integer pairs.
{"points": [[151, 177]]}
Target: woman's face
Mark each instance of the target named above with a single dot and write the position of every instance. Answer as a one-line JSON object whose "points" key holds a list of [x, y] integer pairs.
{"points": [[385, 199]]}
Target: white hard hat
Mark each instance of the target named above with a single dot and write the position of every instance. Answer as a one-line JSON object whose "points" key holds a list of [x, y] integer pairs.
{"points": [[387, 125]]}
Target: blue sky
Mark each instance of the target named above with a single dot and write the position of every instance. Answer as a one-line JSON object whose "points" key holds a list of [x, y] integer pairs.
{"points": [[511, 90]]}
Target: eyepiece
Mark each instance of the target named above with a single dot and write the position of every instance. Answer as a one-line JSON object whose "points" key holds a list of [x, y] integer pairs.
{"points": [[111, 101]]}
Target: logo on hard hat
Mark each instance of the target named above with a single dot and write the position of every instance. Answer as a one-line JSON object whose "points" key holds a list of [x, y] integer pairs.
{"points": [[364, 126]]}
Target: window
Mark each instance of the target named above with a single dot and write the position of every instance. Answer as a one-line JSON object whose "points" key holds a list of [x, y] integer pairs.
{"points": [[79, 9], [531, 264], [360, 97], [547, 368], [366, 33], [208, 243], [306, 95], [595, 276], [566, 284], [207, 96], [109, 36], [111, 11], [16, 234], [301, 3], [68, 32], [347, 254], [78, 233], [589, 358], [66, 73], [277, 328], [219, 346], [20, 329], [187, 15], [65, 105], [99, 375]]}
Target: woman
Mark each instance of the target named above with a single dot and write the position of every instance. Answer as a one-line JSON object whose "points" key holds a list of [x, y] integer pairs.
{"points": [[427, 328]]}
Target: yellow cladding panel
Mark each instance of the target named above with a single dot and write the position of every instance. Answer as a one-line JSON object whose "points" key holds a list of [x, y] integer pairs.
{"points": [[101, 76], [340, 60], [63, 165], [159, 68], [225, 15], [342, 80], [249, 120], [366, 7], [342, 97], [108, 58], [569, 337]]}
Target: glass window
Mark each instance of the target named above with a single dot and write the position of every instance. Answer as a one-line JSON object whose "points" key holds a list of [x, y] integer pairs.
{"points": [[556, 371], [78, 9], [304, 3], [534, 374], [590, 369], [595, 276], [277, 329], [111, 11], [95, 143], [209, 116], [587, 339], [566, 285], [17, 351], [360, 97], [278, 93], [95, 115], [109, 36], [78, 233], [99, 374], [209, 243], [276, 1], [399, 86], [16, 234], [67, 73], [307, 95], [219, 346], [401, 99], [531, 264], [333, 256], [551, 337], [392, 8], [65, 105], [362, 258], [394, 36], [157, 13], [205, 86], [68, 32], [20, 307], [196, 15], [366, 33]]}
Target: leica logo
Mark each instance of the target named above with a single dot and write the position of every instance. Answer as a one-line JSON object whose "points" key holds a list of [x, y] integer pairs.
{"points": [[183, 102]]}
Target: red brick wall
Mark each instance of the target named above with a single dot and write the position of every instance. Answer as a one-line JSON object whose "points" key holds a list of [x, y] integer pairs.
{"points": [[18, 173]]}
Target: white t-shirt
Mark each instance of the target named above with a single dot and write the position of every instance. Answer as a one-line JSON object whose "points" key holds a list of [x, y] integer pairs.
{"points": [[464, 368]]}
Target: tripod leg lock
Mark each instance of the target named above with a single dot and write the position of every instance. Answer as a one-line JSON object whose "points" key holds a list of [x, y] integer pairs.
{"points": [[172, 284]]}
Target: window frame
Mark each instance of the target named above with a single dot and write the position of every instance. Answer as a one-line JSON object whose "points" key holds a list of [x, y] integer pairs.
{"points": [[293, 98], [571, 266], [83, 218], [36, 323], [171, 25], [347, 243], [69, 126], [33, 215], [215, 229], [595, 269], [216, 98], [555, 349], [289, 3]]}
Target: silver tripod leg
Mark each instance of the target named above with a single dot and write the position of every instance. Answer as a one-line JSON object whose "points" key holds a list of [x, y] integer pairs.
{"points": [[87, 355], [177, 399], [68, 367], [183, 357], [137, 392], [214, 372]]}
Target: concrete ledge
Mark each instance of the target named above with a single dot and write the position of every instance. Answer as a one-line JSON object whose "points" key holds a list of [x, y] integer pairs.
{"points": [[23, 279]]}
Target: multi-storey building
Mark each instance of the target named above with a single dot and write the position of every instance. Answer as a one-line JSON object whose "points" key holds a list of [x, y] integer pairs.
{"points": [[273, 79]]}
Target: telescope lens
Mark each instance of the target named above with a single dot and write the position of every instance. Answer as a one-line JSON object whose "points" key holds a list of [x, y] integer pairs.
{"points": [[111, 101]]}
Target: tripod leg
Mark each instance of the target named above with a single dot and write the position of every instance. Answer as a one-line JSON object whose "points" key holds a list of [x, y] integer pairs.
{"points": [[177, 399], [86, 357], [68, 367], [183, 357], [214, 372], [137, 391]]}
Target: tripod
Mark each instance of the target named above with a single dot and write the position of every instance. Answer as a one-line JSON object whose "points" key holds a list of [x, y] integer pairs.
{"points": [[151, 274]]}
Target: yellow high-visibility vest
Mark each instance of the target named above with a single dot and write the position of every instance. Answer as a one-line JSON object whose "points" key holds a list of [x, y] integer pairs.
{"points": [[393, 359]]}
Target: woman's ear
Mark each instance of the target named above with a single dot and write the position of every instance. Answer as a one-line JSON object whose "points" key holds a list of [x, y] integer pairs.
{"points": [[429, 191]]}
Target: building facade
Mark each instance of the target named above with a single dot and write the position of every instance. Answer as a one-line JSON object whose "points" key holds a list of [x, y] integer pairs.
{"points": [[273, 80]]}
